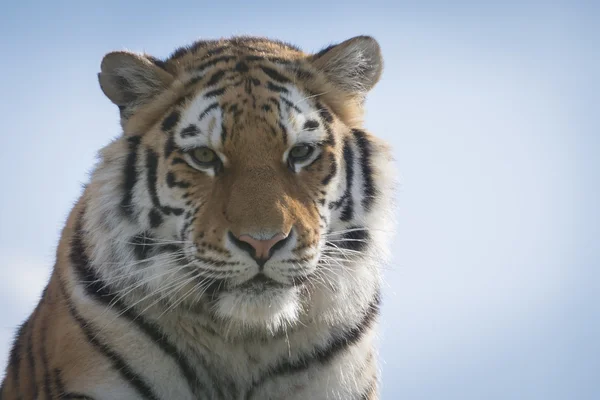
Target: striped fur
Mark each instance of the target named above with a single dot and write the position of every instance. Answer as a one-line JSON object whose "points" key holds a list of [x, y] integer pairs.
{"points": [[153, 296]]}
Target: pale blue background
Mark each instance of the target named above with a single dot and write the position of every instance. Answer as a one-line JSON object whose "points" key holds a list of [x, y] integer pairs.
{"points": [[493, 112]]}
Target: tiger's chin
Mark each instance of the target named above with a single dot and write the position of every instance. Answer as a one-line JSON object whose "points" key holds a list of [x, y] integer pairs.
{"points": [[260, 307]]}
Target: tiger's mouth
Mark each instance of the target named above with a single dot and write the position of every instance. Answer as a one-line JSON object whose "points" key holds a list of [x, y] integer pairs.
{"points": [[257, 284], [261, 281]]}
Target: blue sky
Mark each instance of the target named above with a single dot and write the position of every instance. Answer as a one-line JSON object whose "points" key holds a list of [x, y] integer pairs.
{"points": [[493, 112]]}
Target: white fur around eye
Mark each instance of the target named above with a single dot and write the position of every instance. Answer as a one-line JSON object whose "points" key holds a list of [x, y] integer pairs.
{"points": [[298, 166], [209, 170]]}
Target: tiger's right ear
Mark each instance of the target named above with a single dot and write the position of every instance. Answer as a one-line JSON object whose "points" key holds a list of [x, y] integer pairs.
{"points": [[129, 79]]}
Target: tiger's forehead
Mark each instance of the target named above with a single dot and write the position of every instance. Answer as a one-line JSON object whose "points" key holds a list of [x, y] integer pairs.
{"points": [[255, 107]]}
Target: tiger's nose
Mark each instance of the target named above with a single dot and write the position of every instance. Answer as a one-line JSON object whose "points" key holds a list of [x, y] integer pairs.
{"points": [[259, 249]]}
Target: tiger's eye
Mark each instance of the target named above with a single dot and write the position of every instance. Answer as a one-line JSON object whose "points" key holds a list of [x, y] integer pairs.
{"points": [[300, 152], [204, 155]]}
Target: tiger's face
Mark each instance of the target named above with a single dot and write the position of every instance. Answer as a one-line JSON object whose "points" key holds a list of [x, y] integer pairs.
{"points": [[252, 170], [252, 164]]}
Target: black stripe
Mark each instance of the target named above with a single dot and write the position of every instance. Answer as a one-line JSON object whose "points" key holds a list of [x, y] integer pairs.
{"points": [[324, 113], [303, 74], [223, 132], [152, 169], [310, 125], [274, 74], [346, 199], [353, 335], [76, 396], [118, 363], [235, 110], [215, 78], [332, 170], [170, 122], [356, 239], [254, 57], [215, 93], [276, 88], [184, 99], [289, 104], [214, 61], [101, 292], [323, 355], [60, 386], [212, 52], [130, 174], [250, 48], [173, 182], [169, 146], [279, 123], [369, 190], [276, 60], [142, 245], [207, 110], [274, 131], [194, 80], [241, 67], [283, 131], [330, 137], [155, 218], [190, 130], [275, 102], [327, 120], [279, 60], [248, 86], [217, 263], [237, 83], [215, 51]]}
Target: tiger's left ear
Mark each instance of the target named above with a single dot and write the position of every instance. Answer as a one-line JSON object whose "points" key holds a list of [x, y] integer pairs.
{"points": [[130, 79], [354, 65]]}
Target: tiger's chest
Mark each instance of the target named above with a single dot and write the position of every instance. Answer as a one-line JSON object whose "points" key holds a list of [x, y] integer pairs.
{"points": [[285, 366]]}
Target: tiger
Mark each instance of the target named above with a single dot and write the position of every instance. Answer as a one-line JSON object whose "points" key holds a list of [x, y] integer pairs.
{"points": [[230, 241]]}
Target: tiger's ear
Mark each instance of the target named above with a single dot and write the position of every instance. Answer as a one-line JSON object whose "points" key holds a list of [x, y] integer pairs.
{"points": [[354, 65], [129, 79]]}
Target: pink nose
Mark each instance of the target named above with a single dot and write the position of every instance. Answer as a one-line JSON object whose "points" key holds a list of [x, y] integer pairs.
{"points": [[262, 248]]}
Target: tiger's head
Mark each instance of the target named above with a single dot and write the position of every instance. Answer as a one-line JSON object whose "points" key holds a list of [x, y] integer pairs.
{"points": [[243, 178]]}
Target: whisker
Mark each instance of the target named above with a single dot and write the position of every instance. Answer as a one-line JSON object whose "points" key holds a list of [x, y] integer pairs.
{"points": [[129, 307], [347, 240]]}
